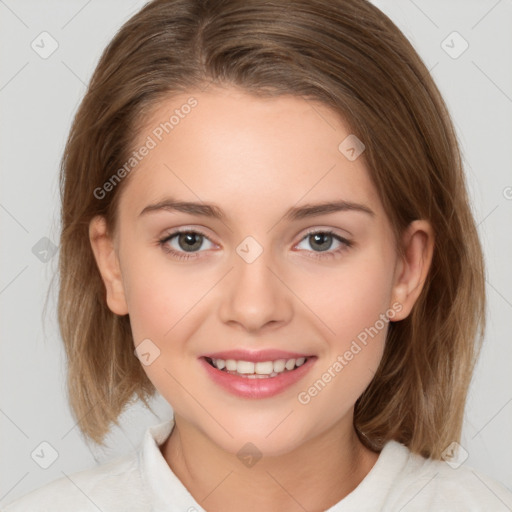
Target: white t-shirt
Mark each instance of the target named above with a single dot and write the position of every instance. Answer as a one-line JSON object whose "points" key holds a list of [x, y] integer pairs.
{"points": [[144, 482]]}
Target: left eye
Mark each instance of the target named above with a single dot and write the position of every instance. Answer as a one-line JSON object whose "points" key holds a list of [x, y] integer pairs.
{"points": [[321, 241]]}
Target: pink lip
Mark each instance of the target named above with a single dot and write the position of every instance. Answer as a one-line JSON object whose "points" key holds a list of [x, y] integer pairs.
{"points": [[255, 355], [256, 388]]}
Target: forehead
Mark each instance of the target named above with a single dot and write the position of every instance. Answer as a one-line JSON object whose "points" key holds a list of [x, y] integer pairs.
{"points": [[236, 149]]}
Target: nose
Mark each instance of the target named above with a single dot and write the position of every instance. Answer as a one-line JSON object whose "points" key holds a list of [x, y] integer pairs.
{"points": [[255, 296]]}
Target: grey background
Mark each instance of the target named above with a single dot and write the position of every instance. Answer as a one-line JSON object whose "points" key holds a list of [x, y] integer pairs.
{"points": [[38, 98]]}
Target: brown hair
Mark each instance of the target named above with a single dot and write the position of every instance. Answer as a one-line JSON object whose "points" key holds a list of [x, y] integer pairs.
{"points": [[348, 55]]}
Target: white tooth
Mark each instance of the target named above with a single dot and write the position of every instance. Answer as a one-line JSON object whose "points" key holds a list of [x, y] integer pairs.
{"points": [[231, 365], [270, 368], [290, 364], [279, 365], [264, 368], [245, 367]]}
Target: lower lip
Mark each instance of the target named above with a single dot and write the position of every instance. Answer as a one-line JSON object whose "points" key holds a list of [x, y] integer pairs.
{"points": [[257, 388]]}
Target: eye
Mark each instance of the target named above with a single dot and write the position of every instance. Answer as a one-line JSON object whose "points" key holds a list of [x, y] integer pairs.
{"points": [[181, 242], [322, 241]]}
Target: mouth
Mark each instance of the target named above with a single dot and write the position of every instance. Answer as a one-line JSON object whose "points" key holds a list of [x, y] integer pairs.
{"points": [[259, 369], [256, 375]]}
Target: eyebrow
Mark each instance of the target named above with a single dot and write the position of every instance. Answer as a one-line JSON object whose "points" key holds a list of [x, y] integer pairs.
{"points": [[294, 213]]}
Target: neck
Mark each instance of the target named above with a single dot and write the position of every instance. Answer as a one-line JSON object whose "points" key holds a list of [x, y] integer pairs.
{"points": [[315, 476]]}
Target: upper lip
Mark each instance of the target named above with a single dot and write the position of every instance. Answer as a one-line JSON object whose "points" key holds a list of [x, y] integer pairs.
{"points": [[255, 355]]}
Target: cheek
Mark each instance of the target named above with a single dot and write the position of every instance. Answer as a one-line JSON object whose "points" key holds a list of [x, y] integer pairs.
{"points": [[352, 309], [161, 300], [368, 292], [159, 295], [352, 297], [351, 301]]}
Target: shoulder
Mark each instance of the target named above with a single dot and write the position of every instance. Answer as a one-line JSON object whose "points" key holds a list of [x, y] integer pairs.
{"points": [[427, 484], [110, 487]]}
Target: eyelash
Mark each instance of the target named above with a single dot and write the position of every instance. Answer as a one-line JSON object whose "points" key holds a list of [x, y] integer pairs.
{"points": [[346, 244]]}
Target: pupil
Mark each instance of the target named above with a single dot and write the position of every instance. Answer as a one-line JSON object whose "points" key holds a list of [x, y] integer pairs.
{"points": [[319, 237]]}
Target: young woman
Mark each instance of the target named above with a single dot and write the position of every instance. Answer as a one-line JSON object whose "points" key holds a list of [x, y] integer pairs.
{"points": [[265, 220]]}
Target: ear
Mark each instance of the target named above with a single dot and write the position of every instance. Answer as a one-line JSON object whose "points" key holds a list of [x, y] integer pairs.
{"points": [[108, 264], [412, 268]]}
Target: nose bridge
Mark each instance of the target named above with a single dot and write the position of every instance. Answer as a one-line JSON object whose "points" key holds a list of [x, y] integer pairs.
{"points": [[254, 296]]}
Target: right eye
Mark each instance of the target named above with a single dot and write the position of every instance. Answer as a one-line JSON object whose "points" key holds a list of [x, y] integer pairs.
{"points": [[181, 242]]}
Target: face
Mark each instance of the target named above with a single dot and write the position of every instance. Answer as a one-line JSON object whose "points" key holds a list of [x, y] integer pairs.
{"points": [[256, 279]]}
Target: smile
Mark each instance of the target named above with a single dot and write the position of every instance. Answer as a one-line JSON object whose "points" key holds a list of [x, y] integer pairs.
{"points": [[256, 379], [260, 369]]}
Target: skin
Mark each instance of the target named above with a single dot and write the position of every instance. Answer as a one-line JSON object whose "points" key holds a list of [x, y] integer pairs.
{"points": [[255, 158]]}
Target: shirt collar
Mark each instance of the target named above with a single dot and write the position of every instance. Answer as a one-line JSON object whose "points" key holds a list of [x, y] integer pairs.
{"points": [[167, 491], [170, 495]]}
